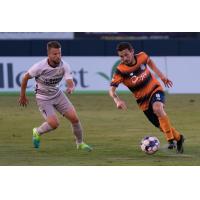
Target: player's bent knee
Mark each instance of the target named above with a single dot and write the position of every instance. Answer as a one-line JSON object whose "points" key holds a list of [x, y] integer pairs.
{"points": [[72, 117], [54, 124], [157, 109], [159, 112], [74, 120]]}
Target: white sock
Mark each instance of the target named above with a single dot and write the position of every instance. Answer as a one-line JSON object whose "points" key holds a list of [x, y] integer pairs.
{"points": [[44, 128], [78, 132]]}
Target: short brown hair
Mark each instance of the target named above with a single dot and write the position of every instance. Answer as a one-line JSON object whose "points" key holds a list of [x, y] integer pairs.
{"points": [[124, 45], [53, 44]]}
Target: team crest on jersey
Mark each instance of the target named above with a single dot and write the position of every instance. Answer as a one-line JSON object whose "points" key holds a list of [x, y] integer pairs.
{"points": [[60, 72], [142, 67]]}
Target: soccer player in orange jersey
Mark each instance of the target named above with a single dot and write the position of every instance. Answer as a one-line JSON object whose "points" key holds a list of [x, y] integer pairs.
{"points": [[133, 72]]}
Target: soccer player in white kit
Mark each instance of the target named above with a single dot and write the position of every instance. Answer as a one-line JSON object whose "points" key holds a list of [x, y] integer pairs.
{"points": [[48, 73]]}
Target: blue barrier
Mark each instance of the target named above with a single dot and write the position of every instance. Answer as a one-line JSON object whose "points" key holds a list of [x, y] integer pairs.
{"points": [[173, 47]]}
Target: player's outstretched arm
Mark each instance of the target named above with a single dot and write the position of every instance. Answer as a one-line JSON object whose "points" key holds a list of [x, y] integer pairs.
{"points": [[70, 86], [119, 103], [23, 101], [168, 83]]}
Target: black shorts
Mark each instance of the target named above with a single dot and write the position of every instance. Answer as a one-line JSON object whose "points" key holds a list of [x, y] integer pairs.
{"points": [[158, 96]]}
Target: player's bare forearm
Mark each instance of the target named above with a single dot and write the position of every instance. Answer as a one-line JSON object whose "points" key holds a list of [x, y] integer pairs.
{"points": [[70, 86], [113, 95], [165, 80], [119, 103], [23, 101], [23, 87], [24, 84], [153, 66]]}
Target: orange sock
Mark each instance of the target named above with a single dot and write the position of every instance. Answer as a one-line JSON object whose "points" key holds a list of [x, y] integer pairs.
{"points": [[166, 127], [176, 134]]}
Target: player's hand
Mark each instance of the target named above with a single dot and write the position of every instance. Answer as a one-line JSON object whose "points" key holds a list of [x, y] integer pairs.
{"points": [[121, 105], [70, 90], [23, 101], [168, 83]]}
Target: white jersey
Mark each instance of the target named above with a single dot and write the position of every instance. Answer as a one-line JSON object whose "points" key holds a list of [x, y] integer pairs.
{"points": [[48, 78]]}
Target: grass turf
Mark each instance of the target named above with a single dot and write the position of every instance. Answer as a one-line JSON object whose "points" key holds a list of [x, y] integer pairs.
{"points": [[114, 134]]}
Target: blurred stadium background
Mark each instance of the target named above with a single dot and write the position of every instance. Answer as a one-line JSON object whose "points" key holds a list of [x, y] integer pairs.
{"points": [[92, 57]]}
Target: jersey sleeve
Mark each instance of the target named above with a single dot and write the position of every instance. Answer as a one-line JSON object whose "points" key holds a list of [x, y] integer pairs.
{"points": [[68, 72], [146, 57], [116, 79], [35, 70]]}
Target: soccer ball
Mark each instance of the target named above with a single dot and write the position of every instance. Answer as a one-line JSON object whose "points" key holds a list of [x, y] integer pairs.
{"points": [[150, 144]]}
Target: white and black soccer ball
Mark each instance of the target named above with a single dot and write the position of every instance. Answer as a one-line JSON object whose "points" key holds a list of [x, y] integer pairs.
{"points": [[150, 144]]}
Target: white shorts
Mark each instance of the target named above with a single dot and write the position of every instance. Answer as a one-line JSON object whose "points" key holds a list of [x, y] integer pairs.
{"points": [[60, 103]]}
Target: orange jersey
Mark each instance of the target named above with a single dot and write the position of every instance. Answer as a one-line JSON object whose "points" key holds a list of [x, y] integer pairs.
{"points": [[138, 78]]}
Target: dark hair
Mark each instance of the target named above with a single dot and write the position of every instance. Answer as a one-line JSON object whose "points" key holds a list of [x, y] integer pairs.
{"points": [[53, 44], [124, 45]]}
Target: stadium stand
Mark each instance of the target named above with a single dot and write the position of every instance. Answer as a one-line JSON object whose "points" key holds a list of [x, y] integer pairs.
{"points": [[103, 44]]}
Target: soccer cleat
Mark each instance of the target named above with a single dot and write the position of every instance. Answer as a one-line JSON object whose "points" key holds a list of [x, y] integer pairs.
{"points": [[36, 138], [84, 146], [171, 144], [180, 144]]}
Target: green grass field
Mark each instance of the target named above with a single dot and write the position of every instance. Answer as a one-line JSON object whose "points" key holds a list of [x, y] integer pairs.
{"points": [[114, 134]]}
